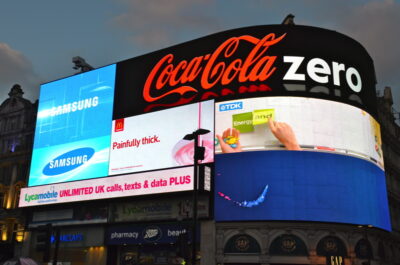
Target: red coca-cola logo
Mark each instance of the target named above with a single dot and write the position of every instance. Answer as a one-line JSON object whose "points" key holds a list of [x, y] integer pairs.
{"points": [[169, 77]]}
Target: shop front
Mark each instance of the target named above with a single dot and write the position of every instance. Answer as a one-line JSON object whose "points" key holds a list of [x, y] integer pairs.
{"points": [[77, 246], [149, 244]]}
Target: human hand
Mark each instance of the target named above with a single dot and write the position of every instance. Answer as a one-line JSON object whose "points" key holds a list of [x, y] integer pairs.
{"points": [[284, 133], [226, 148]]}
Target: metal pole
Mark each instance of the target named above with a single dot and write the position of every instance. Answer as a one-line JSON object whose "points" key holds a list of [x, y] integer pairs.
{"points": [[57, 240], [195, 184]]}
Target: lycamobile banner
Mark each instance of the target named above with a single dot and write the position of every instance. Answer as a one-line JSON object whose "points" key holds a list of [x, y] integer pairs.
{"points": [[48, 196], [170, 180]]}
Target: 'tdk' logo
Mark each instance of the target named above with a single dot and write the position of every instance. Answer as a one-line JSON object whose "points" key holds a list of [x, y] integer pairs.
{"points": [[68, 161]]}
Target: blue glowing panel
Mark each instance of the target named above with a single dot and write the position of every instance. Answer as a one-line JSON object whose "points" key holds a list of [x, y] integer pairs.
{"points": [[300, 185], [73, 128]]}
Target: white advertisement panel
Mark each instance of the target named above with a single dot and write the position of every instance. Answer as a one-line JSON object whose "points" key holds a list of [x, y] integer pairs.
{"points": [[314, 124], [155, 140], [170, 180]]}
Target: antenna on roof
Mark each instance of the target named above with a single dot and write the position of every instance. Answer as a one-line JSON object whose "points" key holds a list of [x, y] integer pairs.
{"points": [[81, 64], [289, 20]]}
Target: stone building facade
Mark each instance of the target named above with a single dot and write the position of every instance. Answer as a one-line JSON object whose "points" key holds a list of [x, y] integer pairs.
{"points": [[17, 122], [389, 120]]}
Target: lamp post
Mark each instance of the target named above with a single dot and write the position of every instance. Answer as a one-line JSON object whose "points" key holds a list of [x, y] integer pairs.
{"points": [[198, 155]]}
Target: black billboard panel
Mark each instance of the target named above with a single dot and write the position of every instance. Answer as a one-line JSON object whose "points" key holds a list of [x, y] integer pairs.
{"points": [[273, 60]]}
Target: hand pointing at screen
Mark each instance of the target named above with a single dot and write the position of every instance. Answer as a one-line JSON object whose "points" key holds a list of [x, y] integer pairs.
{"points": [[284, 133]]}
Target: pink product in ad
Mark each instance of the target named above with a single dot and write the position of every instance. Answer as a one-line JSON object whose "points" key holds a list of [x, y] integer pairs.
{"points": [[183, 151]]}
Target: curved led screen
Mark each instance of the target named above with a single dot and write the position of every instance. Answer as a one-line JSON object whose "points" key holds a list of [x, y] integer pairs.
{"points": [[300, 185], [294, 158]]}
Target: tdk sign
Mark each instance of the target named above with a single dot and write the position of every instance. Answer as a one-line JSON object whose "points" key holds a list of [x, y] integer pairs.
{"points": [[231, 106], [68, 161]]}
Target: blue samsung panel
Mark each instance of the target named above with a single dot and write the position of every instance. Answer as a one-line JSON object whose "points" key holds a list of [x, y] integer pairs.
{"points": [[73, 128], [300, 185]]}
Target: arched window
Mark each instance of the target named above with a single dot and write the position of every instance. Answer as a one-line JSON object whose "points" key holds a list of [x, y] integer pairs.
{"points": [[363, 249], [331, 246], [242, 244], [288, 245]]}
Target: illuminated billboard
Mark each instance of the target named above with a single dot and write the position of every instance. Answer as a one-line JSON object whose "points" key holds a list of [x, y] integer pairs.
{"points": [[296, 135], [155, 140], [318, 125], [169, 180], [294, 158], [300, 185], [73, 128], [259, 61]]}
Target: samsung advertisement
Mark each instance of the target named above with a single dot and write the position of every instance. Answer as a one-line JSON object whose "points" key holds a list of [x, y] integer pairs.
{"points": [[73, 126], [290, 117]]}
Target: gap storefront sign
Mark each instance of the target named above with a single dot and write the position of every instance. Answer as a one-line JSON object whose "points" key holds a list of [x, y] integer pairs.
{"points": [[145, 234]]}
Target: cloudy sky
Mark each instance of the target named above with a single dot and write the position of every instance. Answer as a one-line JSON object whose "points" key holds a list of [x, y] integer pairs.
{"points": [[39, 38]]}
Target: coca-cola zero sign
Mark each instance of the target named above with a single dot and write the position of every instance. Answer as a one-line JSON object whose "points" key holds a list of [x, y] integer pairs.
{"points": [[275, 60]]}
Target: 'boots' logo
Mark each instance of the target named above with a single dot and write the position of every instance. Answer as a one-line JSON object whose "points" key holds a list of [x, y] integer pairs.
{"points": [[152, 233]]}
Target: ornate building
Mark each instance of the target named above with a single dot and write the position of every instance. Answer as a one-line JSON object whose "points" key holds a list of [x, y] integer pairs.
{"points": [[17, 122], [390, 131]]}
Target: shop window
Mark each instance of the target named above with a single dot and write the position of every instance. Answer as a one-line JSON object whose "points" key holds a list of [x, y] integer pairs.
{"points": [[242, 244], [363, 249], [288, 245], [331, 246]]}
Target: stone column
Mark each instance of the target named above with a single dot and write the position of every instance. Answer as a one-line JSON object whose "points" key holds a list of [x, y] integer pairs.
{"points": [[207, 243]]}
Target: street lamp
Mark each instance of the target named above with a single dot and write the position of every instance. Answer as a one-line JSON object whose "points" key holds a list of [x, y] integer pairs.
{"points": [[198, 155]]}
